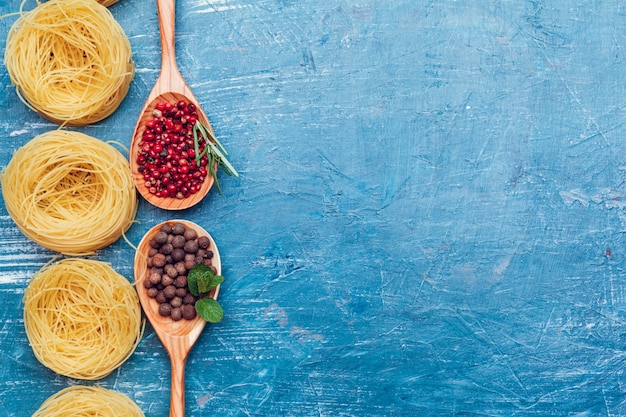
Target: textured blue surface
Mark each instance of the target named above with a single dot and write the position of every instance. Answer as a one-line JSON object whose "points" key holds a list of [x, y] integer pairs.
{"points": [[429, 220]]}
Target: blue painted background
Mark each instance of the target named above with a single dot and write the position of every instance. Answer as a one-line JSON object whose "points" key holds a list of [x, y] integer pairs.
{"points": [[429, 220]]}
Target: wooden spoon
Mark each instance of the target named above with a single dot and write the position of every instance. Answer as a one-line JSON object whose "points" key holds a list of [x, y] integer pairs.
{"points": [[169, 87], [178, 337]]}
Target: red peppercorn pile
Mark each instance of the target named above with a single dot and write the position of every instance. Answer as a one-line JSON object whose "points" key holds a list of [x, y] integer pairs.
{"points": [[167, 157], [174, 251]]}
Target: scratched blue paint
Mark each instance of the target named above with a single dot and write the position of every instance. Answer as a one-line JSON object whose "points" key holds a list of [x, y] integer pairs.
{"points": [[429, 221]]}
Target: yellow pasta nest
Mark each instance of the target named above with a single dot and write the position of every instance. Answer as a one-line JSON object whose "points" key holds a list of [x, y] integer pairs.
{"points": [[70, 192], [70, 61], [88, 401], [82, 318]]}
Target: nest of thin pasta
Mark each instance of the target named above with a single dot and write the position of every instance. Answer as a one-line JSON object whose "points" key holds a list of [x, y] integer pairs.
{"points": [[70, 192], [82, 318], [88, 401], [70, 61]]}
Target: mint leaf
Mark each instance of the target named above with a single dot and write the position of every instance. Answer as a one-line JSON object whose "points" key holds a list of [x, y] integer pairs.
{"points": [[194, 277], [201, 280], [208, 281], [209, 310]]}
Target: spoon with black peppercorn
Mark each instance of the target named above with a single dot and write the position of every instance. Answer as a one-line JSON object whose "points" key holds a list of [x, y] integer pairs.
{"points": [[177, 336], [171, 88]]}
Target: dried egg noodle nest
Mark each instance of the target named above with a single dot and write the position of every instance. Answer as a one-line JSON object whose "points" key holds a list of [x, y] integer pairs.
{"points": [[87, 402], [70, 192], [70, 61], [82, 318]]}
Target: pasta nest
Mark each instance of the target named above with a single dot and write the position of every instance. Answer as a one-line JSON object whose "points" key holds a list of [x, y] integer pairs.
{"points": [[70, 192], [88, 401], [70, 61], [82, 318]]}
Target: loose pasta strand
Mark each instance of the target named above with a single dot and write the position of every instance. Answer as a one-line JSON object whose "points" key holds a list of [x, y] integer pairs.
{"points": [[70, 192], [70, 61], [82, 318]]}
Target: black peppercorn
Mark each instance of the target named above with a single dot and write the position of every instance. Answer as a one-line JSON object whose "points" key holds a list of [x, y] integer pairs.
{"points": [[178, 255], [169, 291], [191, 246], [176, 301], [160, 297], [158, 260], [190, 234], [204, 242], [178, 241], [160, 238], [189, 312], [166, 249], [176, 314], [178, 229], [165, 309], [180, 281]]}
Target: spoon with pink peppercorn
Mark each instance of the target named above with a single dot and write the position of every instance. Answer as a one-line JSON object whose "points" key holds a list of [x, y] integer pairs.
{"points": [[174, 154], [178, 334]]}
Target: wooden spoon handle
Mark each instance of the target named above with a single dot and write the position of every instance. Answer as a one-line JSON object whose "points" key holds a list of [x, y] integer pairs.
{"points": [[167, 18], [177, 395]]}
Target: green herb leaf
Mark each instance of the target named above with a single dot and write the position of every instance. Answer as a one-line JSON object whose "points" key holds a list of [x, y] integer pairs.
{"points": [[201, 279], [211, 165], [214, 152], [209, 310], [208, 281], [228, 168], [193, 277], [196, 146]]}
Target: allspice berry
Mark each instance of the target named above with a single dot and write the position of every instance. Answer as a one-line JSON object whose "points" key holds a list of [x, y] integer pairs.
{"points": [[189, 311], [165, 309], [176, 314]]}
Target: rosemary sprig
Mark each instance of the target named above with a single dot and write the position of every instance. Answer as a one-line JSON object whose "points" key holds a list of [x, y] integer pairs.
{"points": [[214, 152]]}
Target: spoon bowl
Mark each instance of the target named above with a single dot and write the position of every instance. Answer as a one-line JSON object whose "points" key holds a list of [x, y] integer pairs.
{"points": [[178, 337], [170, 86], [166, 203]]}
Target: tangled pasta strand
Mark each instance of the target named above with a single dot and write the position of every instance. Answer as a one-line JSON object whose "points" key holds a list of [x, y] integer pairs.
{"points": [[70, 192], [70, 61], [82, 318]]}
